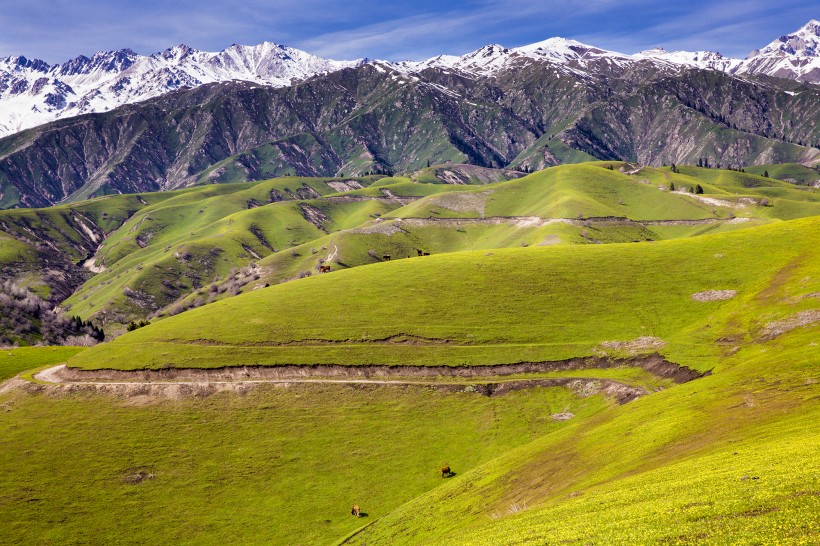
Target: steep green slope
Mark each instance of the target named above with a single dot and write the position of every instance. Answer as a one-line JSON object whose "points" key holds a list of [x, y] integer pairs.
{"points": [[182, 244], [504, 306], [43, 249], [727, 458]]}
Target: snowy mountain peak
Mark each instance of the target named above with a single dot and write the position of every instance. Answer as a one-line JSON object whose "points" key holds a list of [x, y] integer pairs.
{"points": [[561, 47], [175, 53], [33, 92], [22, 63], [805, 42], [795, 56]]}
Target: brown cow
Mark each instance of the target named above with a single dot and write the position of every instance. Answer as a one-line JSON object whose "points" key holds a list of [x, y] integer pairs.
{"points": [[324, 268], [446, 472], [355, 511]]}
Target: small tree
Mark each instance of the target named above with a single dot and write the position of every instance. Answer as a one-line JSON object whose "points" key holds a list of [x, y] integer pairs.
{"points": [[671, 186], [698, 189], [766, 174]]}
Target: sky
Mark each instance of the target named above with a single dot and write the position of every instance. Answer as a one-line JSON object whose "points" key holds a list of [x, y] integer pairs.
{"points": [[58, 30]]}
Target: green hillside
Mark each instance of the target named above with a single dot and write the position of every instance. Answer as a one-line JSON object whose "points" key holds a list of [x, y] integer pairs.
{"points": [[574, 204], [274, 465], [155, 255], [728, 457], [504, 306]]}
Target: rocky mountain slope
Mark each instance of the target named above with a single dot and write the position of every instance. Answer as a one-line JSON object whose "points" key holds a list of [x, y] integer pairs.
{"points": [[32, 92], [377, 118], [554, 102]]}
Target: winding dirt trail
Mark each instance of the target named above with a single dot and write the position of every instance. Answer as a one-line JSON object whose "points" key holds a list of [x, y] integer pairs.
{"points": [[64, 379], [484, 380]]}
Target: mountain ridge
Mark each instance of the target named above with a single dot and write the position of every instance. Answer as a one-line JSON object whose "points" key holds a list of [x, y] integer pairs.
{"points": [[33, 92]]}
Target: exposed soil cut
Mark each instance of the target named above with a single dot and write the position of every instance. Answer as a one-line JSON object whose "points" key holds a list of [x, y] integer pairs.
{"points": [[313, 215], [653, 363], [342, 186], [779, 327], [537, 221], [201, 383]]}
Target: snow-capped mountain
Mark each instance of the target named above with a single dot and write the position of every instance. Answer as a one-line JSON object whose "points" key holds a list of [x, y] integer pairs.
{"points": [[33, 92], [794, 56]]}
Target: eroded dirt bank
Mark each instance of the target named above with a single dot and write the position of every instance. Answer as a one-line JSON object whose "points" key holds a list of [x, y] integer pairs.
{"points": [[653, 363], [145, 391]]}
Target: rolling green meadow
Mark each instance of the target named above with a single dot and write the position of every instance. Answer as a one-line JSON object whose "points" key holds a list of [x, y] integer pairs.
{"points": [[593, 269]]}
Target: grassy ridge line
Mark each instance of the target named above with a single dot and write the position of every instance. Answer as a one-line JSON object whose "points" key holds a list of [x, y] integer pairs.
{"points": [[507, 305], [726, 458]]}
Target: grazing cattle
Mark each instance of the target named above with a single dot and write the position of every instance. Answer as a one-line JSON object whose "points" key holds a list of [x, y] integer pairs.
{"points": [[446, 472], [355, 510], [386, 257], [420, 252], [324, 268], [426, 253]]}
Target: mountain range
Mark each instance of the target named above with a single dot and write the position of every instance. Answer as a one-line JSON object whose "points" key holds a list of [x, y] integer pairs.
{"points": [[249, 113], [33, 92]]}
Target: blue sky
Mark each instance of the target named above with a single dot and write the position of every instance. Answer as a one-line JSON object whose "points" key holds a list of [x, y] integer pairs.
{"points": [[56, 30]]}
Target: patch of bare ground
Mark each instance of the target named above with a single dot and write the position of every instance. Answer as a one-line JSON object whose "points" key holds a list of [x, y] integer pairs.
{"points": [[630, 168], [342, 186], [135, 476], [715, 202], [385, 228], [797, 320], [463, 202], [635, 346], [714, 295]]}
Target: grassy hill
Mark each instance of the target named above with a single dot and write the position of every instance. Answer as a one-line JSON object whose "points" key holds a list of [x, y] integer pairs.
{"points": [[155, 255], [725, 459], [504, 306], [728, 457]]}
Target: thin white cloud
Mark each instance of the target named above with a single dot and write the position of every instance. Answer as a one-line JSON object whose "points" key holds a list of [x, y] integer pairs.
{"points": [[57, 30]]}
